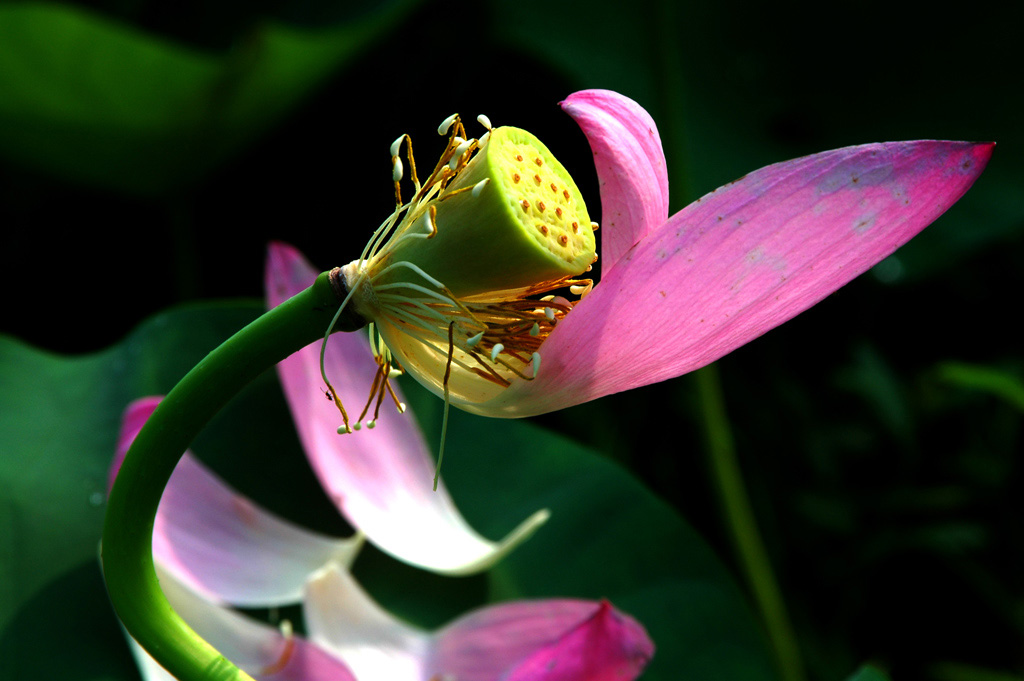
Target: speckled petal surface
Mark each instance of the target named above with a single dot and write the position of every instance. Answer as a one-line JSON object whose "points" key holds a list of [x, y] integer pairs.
{"points": [[740, 261]]}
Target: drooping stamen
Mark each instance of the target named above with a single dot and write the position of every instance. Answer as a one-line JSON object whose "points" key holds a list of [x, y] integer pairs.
{"points": [[447, 400], [287, 651]]}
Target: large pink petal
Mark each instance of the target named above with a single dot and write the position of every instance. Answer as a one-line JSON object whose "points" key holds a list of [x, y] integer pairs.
{"points": [[518, 641], [261, 650], [551, 640], [741, 261], [220, 543], [381, 479], [630, 168]]}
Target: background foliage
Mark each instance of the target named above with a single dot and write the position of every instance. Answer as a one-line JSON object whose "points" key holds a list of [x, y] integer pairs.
{"points": [[149, 150]]}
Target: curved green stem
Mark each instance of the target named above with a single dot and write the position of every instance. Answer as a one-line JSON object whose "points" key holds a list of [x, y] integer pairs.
{"points": [[127, 549], [750, 549]]}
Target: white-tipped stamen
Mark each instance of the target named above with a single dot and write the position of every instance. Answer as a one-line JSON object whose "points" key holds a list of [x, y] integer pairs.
{"points": [[446, 124], [594, 226], [357, 425], [344, 430], [473, 340], [396, 146], [401, 407], [549, 312], [484, 121], [479, 187], [371, 424], [496, 350], [535, 359], [483, 139], [579, 290], [396, 169], [535, 331]]}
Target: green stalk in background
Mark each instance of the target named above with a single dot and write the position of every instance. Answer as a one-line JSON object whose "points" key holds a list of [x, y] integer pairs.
{"points": [[739, 517], [127, 549]]}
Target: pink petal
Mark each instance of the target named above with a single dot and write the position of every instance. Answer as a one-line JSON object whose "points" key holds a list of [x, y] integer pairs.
{"points": [[518, 641], [553, 640], [741, 261], [220, 543], [261, 650], [630, 167], [343, 620], [380, 479]]}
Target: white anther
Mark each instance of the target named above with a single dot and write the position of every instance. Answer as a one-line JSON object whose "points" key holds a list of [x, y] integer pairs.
{"points": [[535, 331], [463, 145], [286, 628], [371, 424], [473, 340], [397, 145], [342, 430], [394, 373], [426, 223], [401, 407], [549, 312], [358, 426], [479, 187], [484, 121], [536, 363], [594, 226], [446, 124], [498, 347], [579, 290], [483, 139], [396, 169]]}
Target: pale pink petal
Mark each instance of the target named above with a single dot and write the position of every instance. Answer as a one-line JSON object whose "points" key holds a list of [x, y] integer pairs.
{"points": [[342, 619], [262, 651], [380, 479], [517, 641], [220, 543], [741, 261], [553, 640], [630, 168]]}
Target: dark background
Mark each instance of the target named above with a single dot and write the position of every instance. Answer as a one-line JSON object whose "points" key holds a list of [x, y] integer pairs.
{"points": [[886, 481]]}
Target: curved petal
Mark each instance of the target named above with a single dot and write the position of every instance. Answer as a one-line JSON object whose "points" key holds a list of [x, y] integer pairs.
{"points": [[554, 640], [342, 619], [741, 261], [630, 168], [380, 479], [220, 543], [261, 650]]}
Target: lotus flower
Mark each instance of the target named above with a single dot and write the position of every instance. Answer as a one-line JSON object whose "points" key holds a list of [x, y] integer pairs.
{"points": [[213, 547], [676, 293]]}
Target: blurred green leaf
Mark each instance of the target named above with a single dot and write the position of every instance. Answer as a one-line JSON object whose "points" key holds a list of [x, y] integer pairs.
{"points": [[608, 537], [1001, 383], [97, 101], [869, 673]]}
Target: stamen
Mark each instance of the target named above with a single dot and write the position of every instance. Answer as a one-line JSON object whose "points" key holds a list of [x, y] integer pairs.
{"points": [[396, 146], [446, 124], [479, 187], [579, 290], [287, 651], [396, 169], [496, 350], [549, 313], [371, 424], [594, 226], [535, 359], [483, 139], [484, 121], [535, 331], [473, 340], [447, 400]]}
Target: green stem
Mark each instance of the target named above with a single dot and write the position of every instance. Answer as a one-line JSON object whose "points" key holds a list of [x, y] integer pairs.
{"points": [[127, 549], [750, 548]]}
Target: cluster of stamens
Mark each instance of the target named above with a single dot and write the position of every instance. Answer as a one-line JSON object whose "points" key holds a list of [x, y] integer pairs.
{"points": [[496, 338]]}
